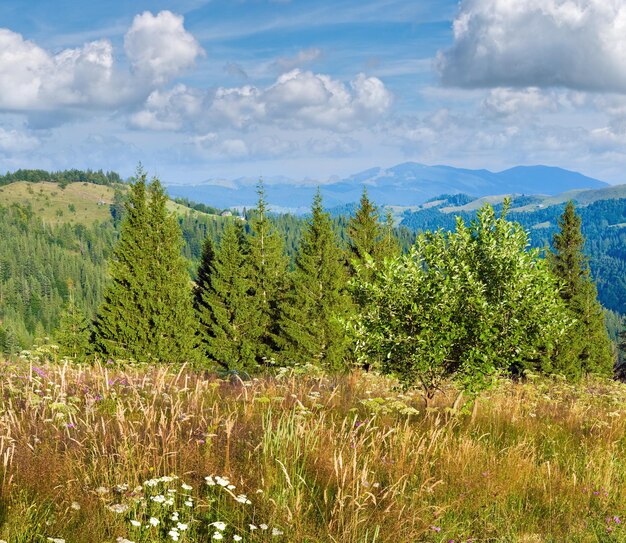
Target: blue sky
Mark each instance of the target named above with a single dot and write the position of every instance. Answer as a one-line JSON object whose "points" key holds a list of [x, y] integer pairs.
{"points": [[309, 89]]}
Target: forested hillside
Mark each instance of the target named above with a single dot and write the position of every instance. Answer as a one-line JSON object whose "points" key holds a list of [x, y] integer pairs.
{"points": [[603, 226], [58, 235]]}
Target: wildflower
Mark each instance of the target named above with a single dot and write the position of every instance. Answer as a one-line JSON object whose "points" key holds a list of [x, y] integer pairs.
{"points": [[209, 480], [235, 538], [174, 516], [159, 498], [154, 521], [253, 527], [75, 506], [56, 540], [217, 535], [182, 527], [174, 534], [186, 487], [123, 540], [276, 531], [242, 498], [188, 503], [221, 526], [263, 526], [118, 508], [435, 529], [135, 523]]}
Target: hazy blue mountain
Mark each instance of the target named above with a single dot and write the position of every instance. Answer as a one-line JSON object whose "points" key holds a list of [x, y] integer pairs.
{"points": [[406, 184]]}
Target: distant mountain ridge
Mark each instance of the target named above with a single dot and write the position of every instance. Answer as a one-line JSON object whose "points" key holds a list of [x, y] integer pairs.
{"points": [[405, 184]]}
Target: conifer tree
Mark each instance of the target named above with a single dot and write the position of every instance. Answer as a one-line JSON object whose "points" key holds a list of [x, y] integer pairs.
{"points": [[147, 312], [268, 274], [229, 322], [587, 347], [205, 270], [74, 334], [311, 320], [369, 240], [390, 246], [203, 287]]}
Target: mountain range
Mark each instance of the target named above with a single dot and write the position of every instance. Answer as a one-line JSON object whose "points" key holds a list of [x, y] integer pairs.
{"points": [[406, 184]]}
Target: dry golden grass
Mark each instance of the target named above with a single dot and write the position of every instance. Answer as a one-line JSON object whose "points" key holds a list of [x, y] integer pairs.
{"points": [[323, 459], [77, 203]]}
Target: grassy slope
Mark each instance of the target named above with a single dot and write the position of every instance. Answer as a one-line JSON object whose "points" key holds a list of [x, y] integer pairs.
{"points": [[52, 203], [583, 197], [320, 459]]}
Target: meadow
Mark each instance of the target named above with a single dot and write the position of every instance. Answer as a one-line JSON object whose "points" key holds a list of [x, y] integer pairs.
{"points": [[146, 454]]}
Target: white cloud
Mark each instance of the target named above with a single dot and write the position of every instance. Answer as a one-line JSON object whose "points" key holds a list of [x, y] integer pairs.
{"points": [[33, 80], [159, 47], [297, 100], [333, 145], [14, 142], [578, 44], [507, 102]]}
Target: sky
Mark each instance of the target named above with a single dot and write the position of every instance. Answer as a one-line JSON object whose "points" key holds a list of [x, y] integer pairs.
{"points": [[310, 89]]}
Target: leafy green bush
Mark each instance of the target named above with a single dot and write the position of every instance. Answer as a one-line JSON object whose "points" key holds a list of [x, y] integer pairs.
{"points": [[464, 305]]}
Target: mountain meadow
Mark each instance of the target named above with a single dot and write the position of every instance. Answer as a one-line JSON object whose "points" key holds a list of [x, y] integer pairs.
{"points": [[446, 371]]}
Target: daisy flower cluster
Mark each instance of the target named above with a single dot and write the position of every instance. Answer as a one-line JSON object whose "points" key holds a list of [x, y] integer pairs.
{"points": [[164, 509]]}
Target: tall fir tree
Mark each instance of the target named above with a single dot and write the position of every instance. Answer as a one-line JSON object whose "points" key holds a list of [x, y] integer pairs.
{"points": [[268, 274], [202, 288], [229, 322], [147, 312], [587, 347], [74, 334], [370, 241], [205, 271], [311, 324], [390, 245]]}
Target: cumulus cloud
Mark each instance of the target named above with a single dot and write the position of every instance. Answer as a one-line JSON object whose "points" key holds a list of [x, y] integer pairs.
{"points": [[507, 102], [297, 99], [577, 44], [35, 80], [159, 47], [31, 78]]}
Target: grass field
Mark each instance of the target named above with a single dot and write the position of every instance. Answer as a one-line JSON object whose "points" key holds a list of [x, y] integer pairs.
{"points": [[103, 454], [77, 203]]}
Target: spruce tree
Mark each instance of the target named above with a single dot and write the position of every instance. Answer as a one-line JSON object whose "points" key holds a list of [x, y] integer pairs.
{"points": [[74, 334], [147, 312], [390, 246], [268, 274], [311, 324], [203, 287], [229, 322], [587, 347], [370, 242]]}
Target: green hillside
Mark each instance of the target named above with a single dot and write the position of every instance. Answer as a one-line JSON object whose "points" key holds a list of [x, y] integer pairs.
{"points": [[73, 203], [603, 215], [581, 197]]}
